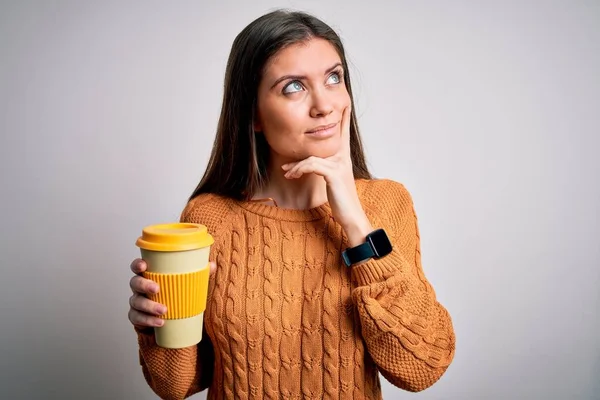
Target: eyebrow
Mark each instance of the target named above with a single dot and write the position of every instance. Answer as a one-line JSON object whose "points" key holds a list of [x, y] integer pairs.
{"points": [[301, 77]]}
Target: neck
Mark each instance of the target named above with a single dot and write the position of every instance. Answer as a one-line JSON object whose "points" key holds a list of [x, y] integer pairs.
{"points": [[306, 192]]}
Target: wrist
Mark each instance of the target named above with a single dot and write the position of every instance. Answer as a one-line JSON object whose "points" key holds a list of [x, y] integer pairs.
{"points": [[357, 231], [377, 245]]}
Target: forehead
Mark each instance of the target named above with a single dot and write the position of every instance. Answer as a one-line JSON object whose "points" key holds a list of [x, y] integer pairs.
{"points": [[313, 56]]}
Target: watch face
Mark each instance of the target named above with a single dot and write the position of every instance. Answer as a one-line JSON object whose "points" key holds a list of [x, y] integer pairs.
{"points": [[380, 243]]}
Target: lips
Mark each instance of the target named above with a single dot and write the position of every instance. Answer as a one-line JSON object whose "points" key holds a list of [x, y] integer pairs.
{"points": [[321, 128]]}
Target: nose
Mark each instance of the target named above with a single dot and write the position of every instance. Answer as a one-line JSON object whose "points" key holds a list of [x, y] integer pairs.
{"points": [[322, 105]]}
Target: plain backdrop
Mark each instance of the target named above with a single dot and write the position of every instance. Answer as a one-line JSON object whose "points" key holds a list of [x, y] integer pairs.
{"points": [[487, 111]]}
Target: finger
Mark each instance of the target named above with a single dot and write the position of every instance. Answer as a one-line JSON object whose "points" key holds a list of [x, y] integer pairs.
{"points": [[213, 267], [138, 266], [287, 167], [346, 119], [312, 165], [345, 128], [145, 305], [143, 320], [142, 285], [293, 171]]}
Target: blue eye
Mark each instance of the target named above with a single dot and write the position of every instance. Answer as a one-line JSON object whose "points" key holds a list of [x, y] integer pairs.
{"points": [[334, 78], [293, 87]]}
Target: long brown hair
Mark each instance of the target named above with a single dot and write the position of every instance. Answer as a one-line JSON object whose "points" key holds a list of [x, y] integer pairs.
{"points": [[238, 163]]}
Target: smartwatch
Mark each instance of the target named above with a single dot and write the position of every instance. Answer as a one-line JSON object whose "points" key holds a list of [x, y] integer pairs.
{"points": [[377, 245]]}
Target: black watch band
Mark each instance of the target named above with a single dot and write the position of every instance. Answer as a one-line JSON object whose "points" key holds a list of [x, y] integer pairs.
{"points": [[357, 254], [376, 246]]}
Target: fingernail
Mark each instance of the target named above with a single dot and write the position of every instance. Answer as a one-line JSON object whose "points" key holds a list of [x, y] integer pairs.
{"points": [[161, 310], [160, 322], [154, 288]]}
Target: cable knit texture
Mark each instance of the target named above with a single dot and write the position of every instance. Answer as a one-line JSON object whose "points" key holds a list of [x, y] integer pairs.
{"points": [[285, 318]]}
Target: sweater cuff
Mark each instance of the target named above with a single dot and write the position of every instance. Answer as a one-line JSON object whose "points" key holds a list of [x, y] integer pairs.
{"points": [[374, 271], [145, 336]]}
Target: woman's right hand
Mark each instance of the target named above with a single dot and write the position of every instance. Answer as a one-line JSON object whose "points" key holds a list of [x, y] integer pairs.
{"points": [[143, 312]]}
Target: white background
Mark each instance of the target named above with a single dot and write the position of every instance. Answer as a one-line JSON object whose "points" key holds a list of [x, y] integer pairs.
{"points": [[487, 111]]}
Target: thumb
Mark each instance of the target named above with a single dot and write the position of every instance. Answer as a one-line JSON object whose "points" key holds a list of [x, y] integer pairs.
{"points": [[345, 130], [346, 121], [213, 267]]}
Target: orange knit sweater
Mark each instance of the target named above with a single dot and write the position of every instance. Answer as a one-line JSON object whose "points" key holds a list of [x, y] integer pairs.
{"points": [[286, 319]]}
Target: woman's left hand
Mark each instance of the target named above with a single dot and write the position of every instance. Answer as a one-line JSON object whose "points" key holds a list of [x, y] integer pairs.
{"points": [[341, 189]]}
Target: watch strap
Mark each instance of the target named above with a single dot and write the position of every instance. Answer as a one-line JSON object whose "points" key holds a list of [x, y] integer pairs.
{"points": [[359, 253]]}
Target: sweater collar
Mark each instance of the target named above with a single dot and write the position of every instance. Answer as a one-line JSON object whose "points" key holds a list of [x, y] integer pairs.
{"points": [[286, 214], [292, 215]]}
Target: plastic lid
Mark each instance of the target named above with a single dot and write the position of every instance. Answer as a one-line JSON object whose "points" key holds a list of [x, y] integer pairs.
{"points": [[174, 237]]}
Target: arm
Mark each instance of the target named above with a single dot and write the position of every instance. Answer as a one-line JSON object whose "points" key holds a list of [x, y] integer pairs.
{"points": [[178, 373], [408, 333], [175, 373]]}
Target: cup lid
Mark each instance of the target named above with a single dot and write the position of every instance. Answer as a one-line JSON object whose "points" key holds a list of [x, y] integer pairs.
{"points": [[180, 236]]}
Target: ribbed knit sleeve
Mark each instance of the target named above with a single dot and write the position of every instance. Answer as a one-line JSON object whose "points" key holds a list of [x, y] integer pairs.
{"points": [[175, 373], [179, 373], [408, 333]]}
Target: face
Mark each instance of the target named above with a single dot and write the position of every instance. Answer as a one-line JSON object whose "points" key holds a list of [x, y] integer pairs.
{"points": [[301, 99]]}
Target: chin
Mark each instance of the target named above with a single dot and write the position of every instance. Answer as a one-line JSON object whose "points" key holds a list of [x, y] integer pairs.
{"points": [[323, 150]]}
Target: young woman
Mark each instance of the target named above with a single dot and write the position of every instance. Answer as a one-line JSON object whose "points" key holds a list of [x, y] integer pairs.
{"points": [[316, 281]]}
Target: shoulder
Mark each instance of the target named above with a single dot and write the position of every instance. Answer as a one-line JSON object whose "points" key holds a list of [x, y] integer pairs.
{"points": [[207, 209], [387, 203], [383, 193]]}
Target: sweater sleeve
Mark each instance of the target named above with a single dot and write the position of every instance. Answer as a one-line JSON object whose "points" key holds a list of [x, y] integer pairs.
{"points": [[175, 373], [180, 373], [408, 333]]}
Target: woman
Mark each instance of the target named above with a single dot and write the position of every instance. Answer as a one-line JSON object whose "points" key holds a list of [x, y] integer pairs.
{"points": [[317, 282]]}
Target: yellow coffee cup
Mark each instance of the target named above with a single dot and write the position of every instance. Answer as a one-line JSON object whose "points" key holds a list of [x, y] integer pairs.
{"points": [[177, 258]]}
